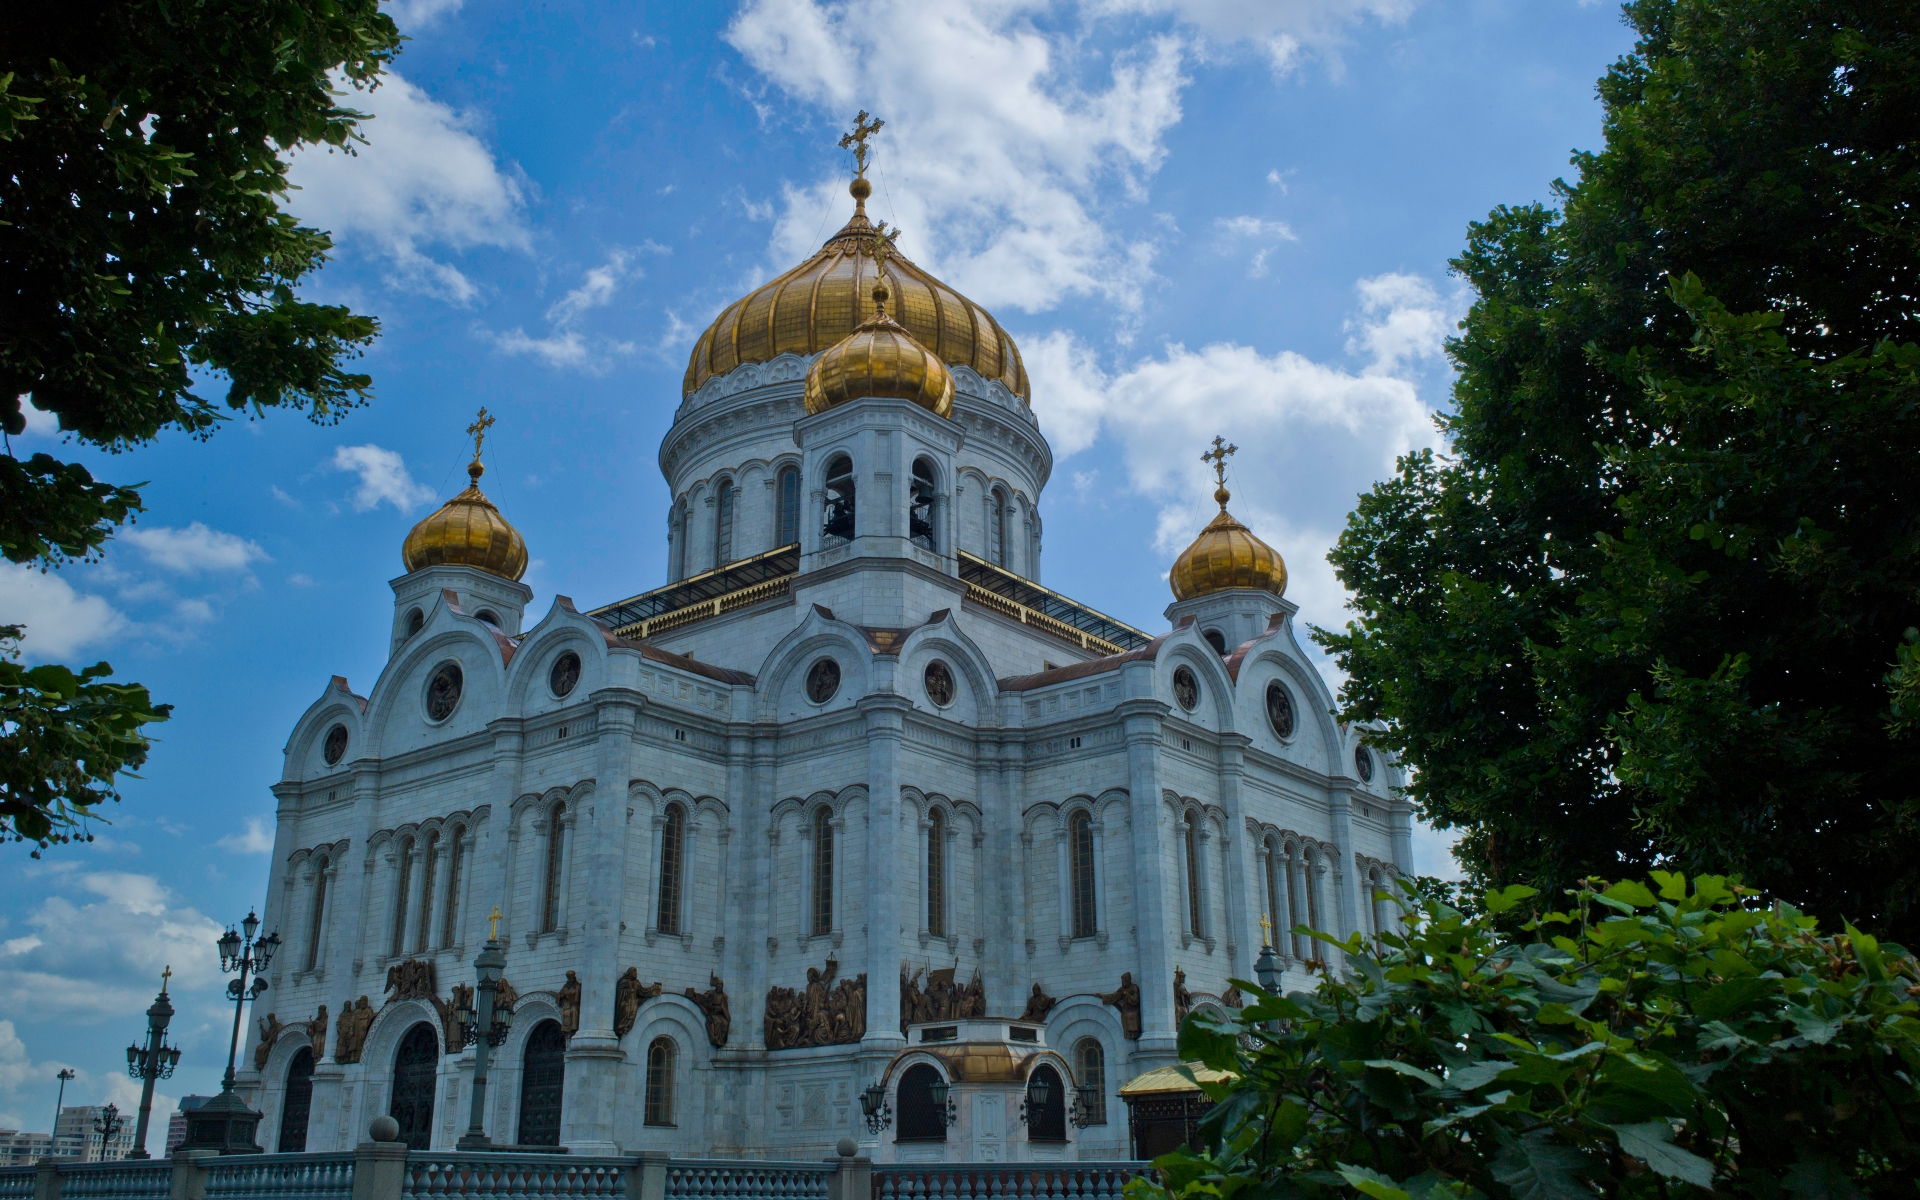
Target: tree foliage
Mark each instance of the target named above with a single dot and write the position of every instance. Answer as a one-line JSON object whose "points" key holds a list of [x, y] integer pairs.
{"points": [[145, 261], [1651, 1041], [1652, 609]]}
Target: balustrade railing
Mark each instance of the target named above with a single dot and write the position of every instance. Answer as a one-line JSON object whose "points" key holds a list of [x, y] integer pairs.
{"points": [[126, 1179], [16, 1183], [992, 1181], [714, 1179], [278, 1177], [508, 1176]]}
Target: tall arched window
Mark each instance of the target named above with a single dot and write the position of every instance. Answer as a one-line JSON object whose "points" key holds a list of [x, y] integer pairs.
{"points": [[456, 867], [1047, 1122], [401, 889], [297, 1102], [415, 1065], [840, 499], [318, 924], [556, 866], [429, 867], [822, 871], [543, 1081], [937, 874], [789, 508], [1194, 922], [997, 527], [1090, 1066], [1080, 860], [920, 505], [673, 849], [920, 1120], [724, 502], [660, 1082]]}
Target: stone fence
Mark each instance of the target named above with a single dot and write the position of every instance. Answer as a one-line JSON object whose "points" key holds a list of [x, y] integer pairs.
{"points": [[388, 1171]]}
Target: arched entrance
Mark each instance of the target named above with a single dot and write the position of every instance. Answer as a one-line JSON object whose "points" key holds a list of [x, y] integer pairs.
{"points": [[543, 1077], [920, 1119], [415, 1065], [1046, 1122], [297, 1102]]}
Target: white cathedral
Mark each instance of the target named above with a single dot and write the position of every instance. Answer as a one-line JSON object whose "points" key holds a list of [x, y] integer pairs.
{"points": [[853, 807]]}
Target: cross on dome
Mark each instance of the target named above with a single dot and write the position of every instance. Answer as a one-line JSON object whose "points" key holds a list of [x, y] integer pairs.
{"points": [[483, 422], [856, 141]]}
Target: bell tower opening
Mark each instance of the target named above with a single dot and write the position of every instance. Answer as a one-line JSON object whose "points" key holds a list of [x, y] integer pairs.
{"points": [[839, 517]]}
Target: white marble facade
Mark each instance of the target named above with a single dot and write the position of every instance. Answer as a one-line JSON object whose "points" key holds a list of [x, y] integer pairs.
{"points": [[559, 809]]}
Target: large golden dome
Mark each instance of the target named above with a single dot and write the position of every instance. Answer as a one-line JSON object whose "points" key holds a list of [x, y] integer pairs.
{"points": [[824, 299], [1226, 555], [467, 531], [880, 358]]}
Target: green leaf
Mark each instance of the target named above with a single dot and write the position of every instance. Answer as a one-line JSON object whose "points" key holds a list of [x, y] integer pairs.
{"points": [[1652, 1143], [1478, 1075], [1372, 1183], [1631, 891], [1729, 996], [1408, 1069], [1536, 1167]]}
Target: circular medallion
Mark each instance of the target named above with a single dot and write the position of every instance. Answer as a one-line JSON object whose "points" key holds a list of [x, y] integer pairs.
{"points": [[823, 680], [939, 683], [1363, 763], [336, 747], [565, 673], [443, 693], [1280, 710], [1186, 689]]}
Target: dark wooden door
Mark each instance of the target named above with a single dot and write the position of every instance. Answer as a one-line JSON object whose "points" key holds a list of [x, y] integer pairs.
{"points": [[543, 1079], [414, 1070], [297, 1103]]}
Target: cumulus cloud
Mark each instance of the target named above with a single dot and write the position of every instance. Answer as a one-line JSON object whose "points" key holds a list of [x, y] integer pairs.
{"points": [[59, 620], [383, 478], [194, 549], [256, 838], [425, 180], [1403, 323]]}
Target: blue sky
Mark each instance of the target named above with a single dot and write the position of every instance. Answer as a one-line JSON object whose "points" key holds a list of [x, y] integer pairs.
{"points": [[1195, 217]]}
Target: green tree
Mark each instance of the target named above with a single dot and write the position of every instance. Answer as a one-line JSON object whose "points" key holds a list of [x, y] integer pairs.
{"points": [[1651, 608], [146, 262]]}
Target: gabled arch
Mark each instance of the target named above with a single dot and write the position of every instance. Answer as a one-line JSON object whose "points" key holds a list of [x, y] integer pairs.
{"points": [[336, 705], [945, 640], [784, 669]]}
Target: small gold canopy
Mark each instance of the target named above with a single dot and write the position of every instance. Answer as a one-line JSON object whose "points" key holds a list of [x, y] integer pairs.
{"points": [[879, 358], [1226, 554], [468, 531]]}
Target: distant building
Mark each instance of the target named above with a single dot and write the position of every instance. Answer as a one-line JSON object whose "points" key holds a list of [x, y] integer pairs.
{"points": [[177, 1123], [21, 1149], [74, 1135]]}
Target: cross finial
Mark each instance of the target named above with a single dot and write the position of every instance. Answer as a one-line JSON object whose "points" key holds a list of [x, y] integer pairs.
{"points": [[1266, 930], [164, 976], [1218, 457], [864, 127], [493, 924], [478, 429]]}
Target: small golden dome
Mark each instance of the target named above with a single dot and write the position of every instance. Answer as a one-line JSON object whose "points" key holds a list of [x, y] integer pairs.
{"points": [[1227, 555], [880, 358], [467, 531]]}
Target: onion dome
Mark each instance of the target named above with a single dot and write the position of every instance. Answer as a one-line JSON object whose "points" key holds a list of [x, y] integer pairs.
{"points": [[1227, 555], [824, 299], [467, 531], [880, 358]]}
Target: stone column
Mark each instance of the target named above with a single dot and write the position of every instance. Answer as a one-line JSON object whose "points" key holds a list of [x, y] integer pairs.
{"points": [[1066, 884], [1140, 721], [1347, 911], [885, 721], [349, 893], [1236, 850], [754, 960]]}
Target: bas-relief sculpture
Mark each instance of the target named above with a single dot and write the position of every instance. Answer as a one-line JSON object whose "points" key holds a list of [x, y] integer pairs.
{"points": [[942, 999], [1039, 1004], [317, 1033], [1182, 997], [350, 1030], [628, 995], [713, 1002], [270, 1031], [1126, 998], [817, 1015], [568, 1000]]}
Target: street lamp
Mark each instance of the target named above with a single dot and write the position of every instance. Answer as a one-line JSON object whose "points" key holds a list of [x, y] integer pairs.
{"points": [[939, 1091], [1039, 1091], [107, 1125], [1084, 1098], [225, 1123], [156, 1060], [484, 1028], [873, 1102], [65, 1075]]}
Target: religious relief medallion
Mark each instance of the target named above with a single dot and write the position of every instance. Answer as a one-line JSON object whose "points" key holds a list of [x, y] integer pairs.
{"points": [[1186, 689], [1363, 763], [823, 680], [939, 683], [1279, 710], [443, 694], [565, 673], [336, 747]]}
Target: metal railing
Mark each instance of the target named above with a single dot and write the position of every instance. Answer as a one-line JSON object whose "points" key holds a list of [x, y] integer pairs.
{"points": [[992, 1181]]}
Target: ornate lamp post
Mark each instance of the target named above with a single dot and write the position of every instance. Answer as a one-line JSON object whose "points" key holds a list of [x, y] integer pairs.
{"points": [[225, 1123], [873, 1102], [1084, 1097], [1039, 1091], [940, 1092], [107, 1125], [156, 1060], [484, 1029], [1266, 968]]}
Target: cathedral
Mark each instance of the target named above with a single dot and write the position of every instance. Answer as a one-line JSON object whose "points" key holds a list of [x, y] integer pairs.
{"points": [[851, 829]]}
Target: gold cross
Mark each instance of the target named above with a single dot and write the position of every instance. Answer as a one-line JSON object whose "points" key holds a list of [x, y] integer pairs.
{"points": [[478, 429], [1218, 457], [1266, 930], [164, 976], [864, 127], [493, 925]]}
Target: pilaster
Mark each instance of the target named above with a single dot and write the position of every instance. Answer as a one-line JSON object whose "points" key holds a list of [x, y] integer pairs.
{"points": [[1344, 883], [885, 720], [1140, 722], [1238, 852]]}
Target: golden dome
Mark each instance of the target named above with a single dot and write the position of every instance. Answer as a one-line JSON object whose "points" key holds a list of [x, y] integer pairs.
{"points": [[880, 358], [822, 300], [467, 531], [1226, 555]]}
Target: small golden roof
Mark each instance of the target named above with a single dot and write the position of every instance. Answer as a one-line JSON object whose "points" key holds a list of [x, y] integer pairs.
{"points": [[880, 358], [468, 531], [1226, 554], [1174, 1079]]}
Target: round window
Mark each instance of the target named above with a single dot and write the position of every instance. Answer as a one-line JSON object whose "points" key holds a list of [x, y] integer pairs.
{"points": [[1186, 689], [1280, 710], [823, 680], [1363, 763], [443, 692], [939, 683], [565, 673], [336, 747]]}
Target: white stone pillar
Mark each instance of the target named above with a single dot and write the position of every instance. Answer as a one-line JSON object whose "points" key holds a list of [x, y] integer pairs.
{"points": [[1062, 854], [1141, 723]]}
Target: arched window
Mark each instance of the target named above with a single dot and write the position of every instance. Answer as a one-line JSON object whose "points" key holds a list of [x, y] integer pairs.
{"points": [[724, 502], [456, 866], [1217, 640], [937, 874], [1080, 860], [997, 527], [839, 515], [920, 1119], [543, 1080], [1090, 1065], [297, 1102], [415, 621], [1195, 925], [402, 886], [1047, 1122], [660, 1082], [428, 869], [822, 871], [415, 1064], [920, 505], [673, 850], [318, 924], [556, 866], [789, 506]]}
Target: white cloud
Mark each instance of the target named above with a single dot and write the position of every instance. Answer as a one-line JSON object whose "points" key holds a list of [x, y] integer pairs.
{"points": [[1263, 235], [283, 498], [45, 424], [425, 179], [256, 838], [383, 478], [59, 620], [410, 15], [566, 346], [994, 159], [1403, 323], [194, 549], [1283, 29]]}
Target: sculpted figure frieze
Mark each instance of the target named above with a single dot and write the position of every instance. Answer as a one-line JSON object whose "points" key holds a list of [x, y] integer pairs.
{"points": [[1126, 998], [270, 1031], [410, 980], [942, 999], [819, 1015], [568, 998], [1039, 1004], [713, 1002], [628, 994], [350, 1030], [317, 1033]]}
